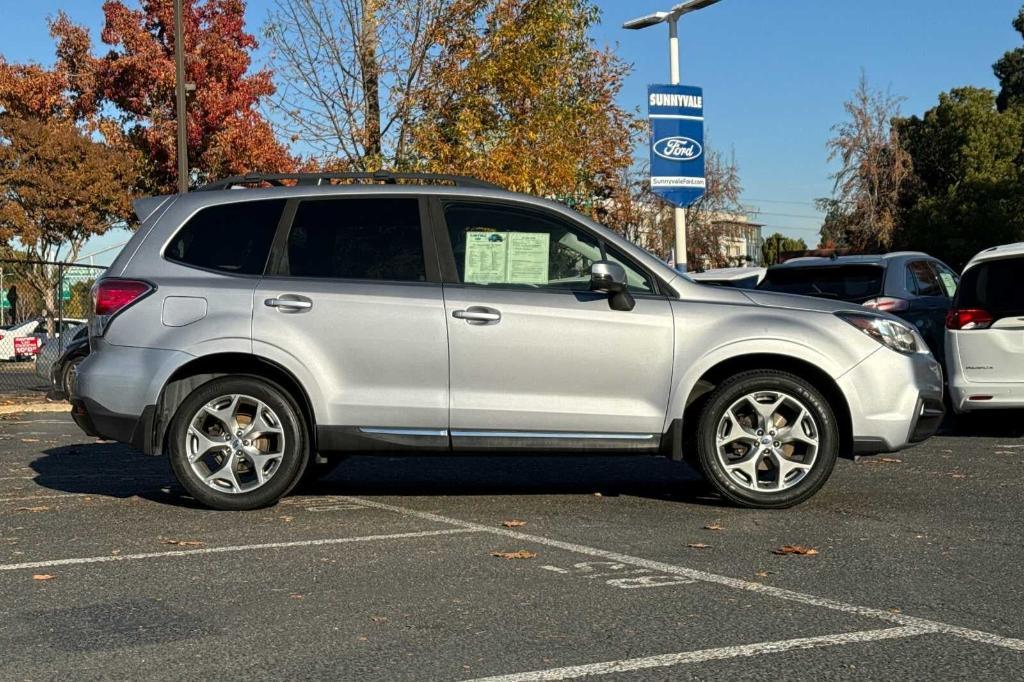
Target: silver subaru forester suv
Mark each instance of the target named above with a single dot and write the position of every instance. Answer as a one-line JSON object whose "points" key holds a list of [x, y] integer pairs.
{"points": [[260, 330]]}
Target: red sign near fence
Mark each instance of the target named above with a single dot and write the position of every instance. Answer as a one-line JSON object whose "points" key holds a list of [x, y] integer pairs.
{"points": [[26, 345]]}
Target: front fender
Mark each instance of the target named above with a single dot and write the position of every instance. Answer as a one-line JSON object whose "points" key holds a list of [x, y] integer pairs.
{"points": [[708, 335]]}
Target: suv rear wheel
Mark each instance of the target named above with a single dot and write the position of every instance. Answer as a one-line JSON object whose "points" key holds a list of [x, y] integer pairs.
{"points": [[767, 439], [238, 443]]}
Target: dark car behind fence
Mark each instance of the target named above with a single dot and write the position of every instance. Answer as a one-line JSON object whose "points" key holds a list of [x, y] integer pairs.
{"points": [[41, 306]]}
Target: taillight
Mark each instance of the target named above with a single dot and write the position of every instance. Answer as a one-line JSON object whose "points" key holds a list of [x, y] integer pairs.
{"points": [[112, 295], [968, 318], [887, 304]]}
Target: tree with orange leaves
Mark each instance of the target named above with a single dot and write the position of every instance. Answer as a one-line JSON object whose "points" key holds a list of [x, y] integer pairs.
{"points": [[519, 95], [65, 171], [227, 134]]}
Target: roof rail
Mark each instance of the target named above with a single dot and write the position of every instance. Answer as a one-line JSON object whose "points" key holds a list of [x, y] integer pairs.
{"points": [[317, 179]]}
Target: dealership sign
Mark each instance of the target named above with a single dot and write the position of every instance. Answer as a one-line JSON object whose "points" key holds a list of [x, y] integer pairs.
{"points": [[677, 142]]}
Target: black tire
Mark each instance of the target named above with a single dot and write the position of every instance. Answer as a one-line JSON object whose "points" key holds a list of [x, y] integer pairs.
{"points": [[68, 378], [285, 476], [734, 389]]}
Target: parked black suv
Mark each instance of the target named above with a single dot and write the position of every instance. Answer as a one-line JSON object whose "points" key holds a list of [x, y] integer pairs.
{"points": [[908, 284]]}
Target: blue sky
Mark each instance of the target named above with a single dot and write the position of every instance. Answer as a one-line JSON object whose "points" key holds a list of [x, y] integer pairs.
{"points": [[775, 73]]}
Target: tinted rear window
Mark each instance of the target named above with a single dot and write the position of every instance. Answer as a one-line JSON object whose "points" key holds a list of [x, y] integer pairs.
{"points": [[378, 239], [231, 238], [856, 283], [996, 286]]}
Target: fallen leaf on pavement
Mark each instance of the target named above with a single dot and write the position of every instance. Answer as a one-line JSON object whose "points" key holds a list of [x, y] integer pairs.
{"points": [[521, 554], [32, 509], [513, 523], [295, 596], [799, 550], [714, 526], [43, 576], [183, 543], [762, 574], [698, 545]]}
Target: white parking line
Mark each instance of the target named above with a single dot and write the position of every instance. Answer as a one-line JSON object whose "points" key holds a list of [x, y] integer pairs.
{"points": [[704, 576], [21, 498], [703, 655], [232, 548]]}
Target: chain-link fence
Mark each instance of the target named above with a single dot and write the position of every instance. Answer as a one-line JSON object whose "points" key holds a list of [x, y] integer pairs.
{"points": [[42, 305]]}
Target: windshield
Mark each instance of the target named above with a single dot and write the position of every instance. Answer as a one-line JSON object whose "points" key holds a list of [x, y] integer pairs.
{"points": [[855, 283]]}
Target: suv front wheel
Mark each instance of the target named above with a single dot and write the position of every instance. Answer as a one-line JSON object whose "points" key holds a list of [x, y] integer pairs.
{"points": [[767, 439], [238, 443]]}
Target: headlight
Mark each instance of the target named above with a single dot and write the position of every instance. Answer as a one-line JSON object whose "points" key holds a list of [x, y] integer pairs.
{"points": [[899, 337]]}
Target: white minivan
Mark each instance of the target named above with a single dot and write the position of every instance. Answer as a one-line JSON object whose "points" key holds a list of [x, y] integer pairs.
{"points": [[985, 332]]}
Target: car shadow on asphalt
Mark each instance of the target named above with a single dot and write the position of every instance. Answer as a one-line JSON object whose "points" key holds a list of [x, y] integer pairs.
{"points": [[114, 470], [986, 424]]}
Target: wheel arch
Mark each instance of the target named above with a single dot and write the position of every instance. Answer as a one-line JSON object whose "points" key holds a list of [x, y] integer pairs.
{"points": [[808, 371], [193, 374]]}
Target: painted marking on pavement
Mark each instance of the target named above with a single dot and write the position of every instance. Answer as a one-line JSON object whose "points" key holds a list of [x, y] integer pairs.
{"points": [[704, 576], [336, 507], [614, 574], [231, 548], [703, 655]]}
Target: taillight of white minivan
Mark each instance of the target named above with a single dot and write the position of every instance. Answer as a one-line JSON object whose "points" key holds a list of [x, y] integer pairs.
{"points": [[966, 319]]}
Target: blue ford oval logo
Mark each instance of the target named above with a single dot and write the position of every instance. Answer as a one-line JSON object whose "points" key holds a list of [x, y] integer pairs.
{"points": [[678, 148]]}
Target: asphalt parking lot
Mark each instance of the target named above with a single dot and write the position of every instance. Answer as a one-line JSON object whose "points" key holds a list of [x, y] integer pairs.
{"points": [[386, 570]]}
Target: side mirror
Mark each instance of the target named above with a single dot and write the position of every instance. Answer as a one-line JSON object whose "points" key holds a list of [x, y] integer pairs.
{"points": [[610, 278]]}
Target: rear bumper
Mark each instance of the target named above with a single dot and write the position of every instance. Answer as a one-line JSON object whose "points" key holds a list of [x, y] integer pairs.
{"points": [[968, 396], [99, 422], [118, 389], [895, 400]]}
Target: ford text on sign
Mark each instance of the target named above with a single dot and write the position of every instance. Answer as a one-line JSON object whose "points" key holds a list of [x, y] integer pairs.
{"points": [[677, 143]]}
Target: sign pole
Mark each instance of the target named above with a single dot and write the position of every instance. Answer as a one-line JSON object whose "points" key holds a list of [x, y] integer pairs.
{"points": [[679, 213]]}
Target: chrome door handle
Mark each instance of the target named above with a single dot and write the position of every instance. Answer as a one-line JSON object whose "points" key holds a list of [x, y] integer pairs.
{"points": [[477, 315], [288, 303]]}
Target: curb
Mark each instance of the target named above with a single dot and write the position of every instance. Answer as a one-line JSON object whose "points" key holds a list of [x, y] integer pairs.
{"points": [[35, 407]]}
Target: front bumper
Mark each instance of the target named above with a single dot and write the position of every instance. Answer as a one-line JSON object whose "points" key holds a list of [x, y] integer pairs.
{"points": [[895, 400]]}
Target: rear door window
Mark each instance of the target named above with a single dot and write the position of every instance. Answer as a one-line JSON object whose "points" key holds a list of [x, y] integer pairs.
{"points": [[926, 279], [995, 286], [855, 282], [368, 239], [949, 279], [231, 238]]}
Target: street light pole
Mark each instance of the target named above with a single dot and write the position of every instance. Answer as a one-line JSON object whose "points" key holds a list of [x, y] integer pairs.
{"points": [[672, 17], [179, 69]]}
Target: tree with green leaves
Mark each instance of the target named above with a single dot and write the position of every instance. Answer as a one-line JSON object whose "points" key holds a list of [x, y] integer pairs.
{"points": [[775, 245], [968, 187], [1010, 72]]}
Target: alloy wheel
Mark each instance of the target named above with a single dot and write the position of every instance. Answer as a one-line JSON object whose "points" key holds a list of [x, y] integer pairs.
{"points": [[235, 443], [767, 441]]}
